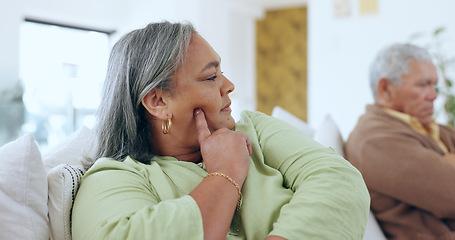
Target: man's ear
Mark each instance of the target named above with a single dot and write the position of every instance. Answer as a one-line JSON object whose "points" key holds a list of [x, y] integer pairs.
{"points": [[384, 89], [155, 102]]}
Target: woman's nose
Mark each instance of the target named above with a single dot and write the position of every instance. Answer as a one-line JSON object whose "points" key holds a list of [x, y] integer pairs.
{"points": [[228, 86]]}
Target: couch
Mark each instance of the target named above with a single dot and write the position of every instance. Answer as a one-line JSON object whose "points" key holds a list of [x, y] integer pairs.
{"points": [[37, 189]]}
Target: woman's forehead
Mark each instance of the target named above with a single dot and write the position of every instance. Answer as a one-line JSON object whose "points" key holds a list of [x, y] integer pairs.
{"points": [[201, 54]]}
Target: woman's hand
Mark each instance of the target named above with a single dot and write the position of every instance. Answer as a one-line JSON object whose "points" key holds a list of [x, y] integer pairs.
{"points": [[224, 150]]}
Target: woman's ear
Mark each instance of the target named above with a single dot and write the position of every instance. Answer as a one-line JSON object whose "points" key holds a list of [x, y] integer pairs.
{"points": [[156, 104]]}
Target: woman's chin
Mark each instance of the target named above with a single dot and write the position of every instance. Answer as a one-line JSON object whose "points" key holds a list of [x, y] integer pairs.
{"points": [[231, 123]]}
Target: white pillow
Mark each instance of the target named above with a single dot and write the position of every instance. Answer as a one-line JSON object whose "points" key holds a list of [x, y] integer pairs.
{"points": [[69, 151], [64, 166], [23, 191], [372, 230], [329, 135], [63, 181], [286, 116]]}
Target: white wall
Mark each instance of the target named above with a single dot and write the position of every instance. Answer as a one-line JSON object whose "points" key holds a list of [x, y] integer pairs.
{"points": [[341, 49]]}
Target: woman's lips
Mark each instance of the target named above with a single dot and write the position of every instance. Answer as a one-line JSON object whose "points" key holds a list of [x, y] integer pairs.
{"points": [[227, 108]]}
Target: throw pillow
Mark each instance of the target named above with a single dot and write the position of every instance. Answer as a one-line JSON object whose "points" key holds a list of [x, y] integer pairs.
{"points": [[329, 135], [63, 181], [286, 116], [23, 191]]}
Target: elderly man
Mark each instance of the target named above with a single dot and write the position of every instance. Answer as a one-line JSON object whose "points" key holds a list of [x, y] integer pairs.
{"points": [[406, 158]]}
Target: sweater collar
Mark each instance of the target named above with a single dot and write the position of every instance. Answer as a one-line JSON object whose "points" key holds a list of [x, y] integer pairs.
{"points": [[432, 130]]}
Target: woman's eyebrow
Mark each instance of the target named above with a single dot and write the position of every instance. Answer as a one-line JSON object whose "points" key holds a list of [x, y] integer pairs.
{"points": [[210, 65]]}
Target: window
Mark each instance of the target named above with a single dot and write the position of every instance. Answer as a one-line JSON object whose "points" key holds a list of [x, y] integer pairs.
{"points": [[62, 70]]}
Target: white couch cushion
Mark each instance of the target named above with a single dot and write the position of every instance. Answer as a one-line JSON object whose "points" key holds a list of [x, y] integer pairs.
{"points": [[23, 191], [286, 116], [372, 230], [329, 135]]}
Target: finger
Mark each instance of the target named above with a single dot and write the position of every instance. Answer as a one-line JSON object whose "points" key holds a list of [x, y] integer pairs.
{"points": [[247, 142], [203, 131], [248, 145]]}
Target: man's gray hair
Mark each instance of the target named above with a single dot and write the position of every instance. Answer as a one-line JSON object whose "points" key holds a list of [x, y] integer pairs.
{"points": [[140, 61], [392, 63]]}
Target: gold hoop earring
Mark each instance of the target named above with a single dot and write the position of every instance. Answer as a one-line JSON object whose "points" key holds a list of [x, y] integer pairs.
{"points": [[166, 126]]}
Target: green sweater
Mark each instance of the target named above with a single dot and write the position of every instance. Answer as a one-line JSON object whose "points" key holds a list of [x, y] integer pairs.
{"points": [[295, 188]]}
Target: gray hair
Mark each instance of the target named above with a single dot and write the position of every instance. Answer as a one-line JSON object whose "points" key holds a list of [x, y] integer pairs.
{"points": [[392, 63], [140, 61]]}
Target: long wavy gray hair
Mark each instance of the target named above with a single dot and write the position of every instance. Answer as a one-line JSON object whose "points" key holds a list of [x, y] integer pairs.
{"points": [[392, 63], [140, 61]]}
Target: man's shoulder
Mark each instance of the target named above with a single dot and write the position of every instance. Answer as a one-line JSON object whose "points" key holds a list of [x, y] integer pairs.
{"points": [[373, 123], [374, 116], [446, 130], [447, 127]]}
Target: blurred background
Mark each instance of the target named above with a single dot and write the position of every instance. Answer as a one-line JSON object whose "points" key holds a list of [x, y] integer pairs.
{"points": [[311, 57]]}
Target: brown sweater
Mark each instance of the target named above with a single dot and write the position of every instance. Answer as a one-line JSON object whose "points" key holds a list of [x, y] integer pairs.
{"points": [[412, 189]]}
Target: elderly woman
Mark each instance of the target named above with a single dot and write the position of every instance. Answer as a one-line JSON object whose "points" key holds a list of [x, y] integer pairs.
{"points": [[171, 163]]}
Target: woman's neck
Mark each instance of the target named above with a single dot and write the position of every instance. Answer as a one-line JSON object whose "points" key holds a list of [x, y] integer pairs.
{"points": [[194, 157], [182, 147], [165, 145]]}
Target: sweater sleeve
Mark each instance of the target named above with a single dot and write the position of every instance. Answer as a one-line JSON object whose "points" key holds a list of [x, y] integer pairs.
{"points": [[330, 199], [399, 163], [116, 200]]}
